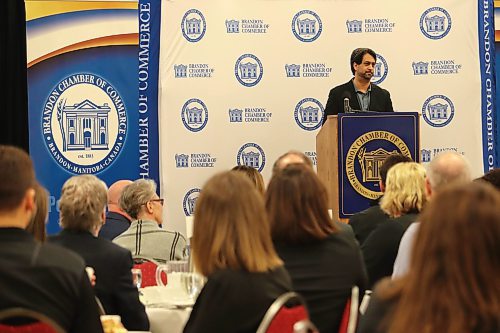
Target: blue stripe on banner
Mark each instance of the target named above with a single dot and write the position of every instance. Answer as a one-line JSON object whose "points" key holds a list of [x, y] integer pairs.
{"points": [[486, 56], [149, 48]]}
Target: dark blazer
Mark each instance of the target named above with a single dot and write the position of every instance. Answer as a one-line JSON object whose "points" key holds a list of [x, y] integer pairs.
{"points": [[380, 99], [112, 265], [115, 225], [46, 279], [364, 222]]}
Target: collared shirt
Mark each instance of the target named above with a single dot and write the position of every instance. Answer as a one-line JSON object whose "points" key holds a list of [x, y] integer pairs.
{"points": [[363, 97], [402, 262]]}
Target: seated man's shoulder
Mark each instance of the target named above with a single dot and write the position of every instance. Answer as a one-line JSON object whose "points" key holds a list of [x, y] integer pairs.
{"points": [[52, 255], [371, 212]]}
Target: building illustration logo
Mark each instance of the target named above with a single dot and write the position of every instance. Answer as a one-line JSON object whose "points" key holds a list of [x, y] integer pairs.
{"points": [[193, 25], [435, 23], [292, 70], [84, 123], [420, 68], [365, 157], [180, 71], [425, 155], [235, 115], [252, 155], [438, 110], [181, 160], [307, 26], [189, 202], [354, 26], [308, 114], [233, 26], [380, 71], [248, 70], [194, 115]]}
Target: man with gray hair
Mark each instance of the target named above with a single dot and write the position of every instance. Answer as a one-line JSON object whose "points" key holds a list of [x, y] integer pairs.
{"points": [[145, 239], [447, 168], [82, 212]]}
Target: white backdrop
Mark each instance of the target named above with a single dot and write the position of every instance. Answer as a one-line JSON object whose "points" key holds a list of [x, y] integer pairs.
{"points": [[207, 44]]}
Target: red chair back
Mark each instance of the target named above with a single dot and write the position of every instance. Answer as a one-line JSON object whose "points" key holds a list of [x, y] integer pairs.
{"points": [[28, 328], [148, 269], [20, 320], [349, 320], [286, 318]]}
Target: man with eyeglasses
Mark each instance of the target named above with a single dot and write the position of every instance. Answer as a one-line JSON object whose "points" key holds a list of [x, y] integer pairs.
{"points": [[145, 238], [359, 94]]}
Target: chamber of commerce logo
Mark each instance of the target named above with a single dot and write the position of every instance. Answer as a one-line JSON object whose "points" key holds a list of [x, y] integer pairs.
{"points": [[438, 110], [435, 23], [193, 25], [194, 115], [249, 115], [308, 114], [369, 25], [425, 155], [193, 71], [292, 70], [248, 26], [354, 26], [306, 26], [198, 160], [365, 157], [312, 156], [316, 70], [189, 202], [84, 123], [252, 155], [436, 67], [380, 71], [233, 26], [248, 70]]}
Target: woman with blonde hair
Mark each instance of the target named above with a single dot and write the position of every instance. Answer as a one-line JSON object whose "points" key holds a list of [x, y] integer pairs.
{"points": [[324, 262], [404, 198], [254, 176], [232, 247], [453, 282]]}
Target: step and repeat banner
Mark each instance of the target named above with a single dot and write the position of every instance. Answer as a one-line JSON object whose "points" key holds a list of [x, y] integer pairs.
{"points": [[244, 81], [92, 84]]}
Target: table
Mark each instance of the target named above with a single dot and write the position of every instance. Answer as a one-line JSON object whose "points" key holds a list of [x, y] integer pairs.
{"points": [[167, 320]]}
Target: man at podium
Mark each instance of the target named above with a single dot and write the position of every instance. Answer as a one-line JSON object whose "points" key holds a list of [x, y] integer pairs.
{"points": [[359, 94]]}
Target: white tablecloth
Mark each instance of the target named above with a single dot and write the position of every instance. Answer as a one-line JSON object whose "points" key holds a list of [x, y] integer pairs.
{"points": [[164, 320]]}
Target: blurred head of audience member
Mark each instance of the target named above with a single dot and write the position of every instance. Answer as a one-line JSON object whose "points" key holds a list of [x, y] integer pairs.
{"points": [[445, 169], [82, 204], [36, 227], [405, 190], [297, 206], [141, 202], [492, 177], [389, 162], [291, 157], [114, 194], [254, 176], [231, 229], [17, 188], [454, 280]]}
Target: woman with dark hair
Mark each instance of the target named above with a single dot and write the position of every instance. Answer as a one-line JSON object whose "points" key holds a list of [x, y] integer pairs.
{"points": [[232, 247], [324, 262], [453, 282], [36, 227]]}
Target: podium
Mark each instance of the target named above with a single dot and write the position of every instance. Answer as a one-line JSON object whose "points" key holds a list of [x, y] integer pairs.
{"points": [[351, 147]]}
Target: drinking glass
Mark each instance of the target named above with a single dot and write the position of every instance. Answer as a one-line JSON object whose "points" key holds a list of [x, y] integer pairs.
{"points": [[137, 277], [173, 269], [192, 284]]}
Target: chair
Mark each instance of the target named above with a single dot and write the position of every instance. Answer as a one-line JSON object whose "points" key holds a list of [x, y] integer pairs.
{"points": [[148, 269], [349, 320], [364, 303], [21, 320], [287, 314]]}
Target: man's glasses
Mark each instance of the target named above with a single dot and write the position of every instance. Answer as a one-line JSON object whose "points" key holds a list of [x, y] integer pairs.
{"points": [[160, 200]]}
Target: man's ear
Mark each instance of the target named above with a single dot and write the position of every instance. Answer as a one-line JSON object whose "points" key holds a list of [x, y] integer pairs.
{"points": [[381, 185], [29, 200], [428, 187]]}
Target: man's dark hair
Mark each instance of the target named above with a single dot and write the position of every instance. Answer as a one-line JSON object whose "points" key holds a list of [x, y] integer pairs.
{"points": [[358, 54], [492, 177], [391, 161], [16, 176]]}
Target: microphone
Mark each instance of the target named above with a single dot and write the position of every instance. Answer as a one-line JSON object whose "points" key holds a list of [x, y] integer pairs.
{"points": [[347, 107]]}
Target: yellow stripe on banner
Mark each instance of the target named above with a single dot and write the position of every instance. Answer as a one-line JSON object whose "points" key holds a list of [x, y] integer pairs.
{"points": [[126, 39], [496, 3], [41, 8]]}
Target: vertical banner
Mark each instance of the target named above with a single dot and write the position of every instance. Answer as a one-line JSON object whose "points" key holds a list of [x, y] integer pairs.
{"points": [[244, 81], [84, 95]]}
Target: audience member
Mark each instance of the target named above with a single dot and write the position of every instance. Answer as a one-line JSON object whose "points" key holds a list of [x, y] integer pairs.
{"points": [[291, 157], [453, 282], [117, 220], [39, 277], [232, 247], [145, 238], [323, 262], [364, 222], [492, 177], [254, 175], [445, 169], [36, 227], [82, 212], [403, 199]]}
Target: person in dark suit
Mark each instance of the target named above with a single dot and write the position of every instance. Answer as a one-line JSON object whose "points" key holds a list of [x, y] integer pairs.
{"points": [[117, 220], [39, 277], [82, 210], [359, 91]]}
